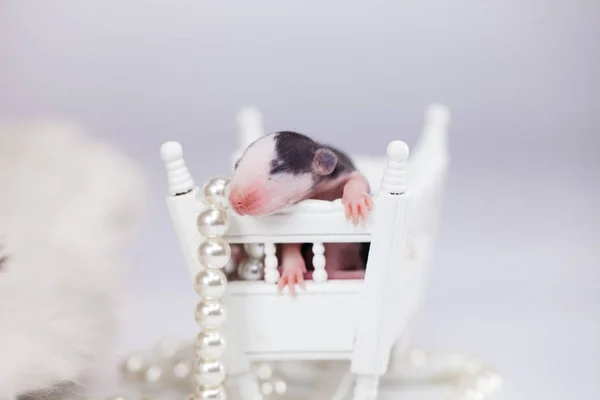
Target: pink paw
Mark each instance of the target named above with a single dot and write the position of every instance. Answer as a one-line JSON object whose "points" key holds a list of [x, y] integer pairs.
{"points": [[357, 203], [292, 274]]}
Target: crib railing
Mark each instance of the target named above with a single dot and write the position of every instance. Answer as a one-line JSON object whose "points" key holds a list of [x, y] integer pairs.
{"points": [[319, 222]]}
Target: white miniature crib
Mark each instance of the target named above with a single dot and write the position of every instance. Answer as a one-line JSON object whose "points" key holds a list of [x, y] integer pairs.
{"points": [[356, 320]]}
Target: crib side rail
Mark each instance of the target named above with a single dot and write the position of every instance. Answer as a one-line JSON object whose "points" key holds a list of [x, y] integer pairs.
{"points": [[381, 298], [308, 221]]}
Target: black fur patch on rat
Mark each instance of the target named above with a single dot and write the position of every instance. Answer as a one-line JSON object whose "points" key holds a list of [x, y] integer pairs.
{"points": [[295, 153]]}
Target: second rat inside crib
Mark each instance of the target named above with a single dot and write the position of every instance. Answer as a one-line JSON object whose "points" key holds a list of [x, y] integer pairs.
{"points": [[285, 167]]}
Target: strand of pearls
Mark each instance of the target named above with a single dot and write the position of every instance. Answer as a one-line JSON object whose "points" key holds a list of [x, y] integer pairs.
{"points": [[469, 378], [214, 254]]}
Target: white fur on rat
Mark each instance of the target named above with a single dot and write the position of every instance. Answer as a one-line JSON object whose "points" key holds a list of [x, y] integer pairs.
{"points": [[69, 204]]}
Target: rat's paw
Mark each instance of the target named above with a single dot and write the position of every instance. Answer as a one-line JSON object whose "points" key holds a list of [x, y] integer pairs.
{"points": [[357, 204], [292, 274]]}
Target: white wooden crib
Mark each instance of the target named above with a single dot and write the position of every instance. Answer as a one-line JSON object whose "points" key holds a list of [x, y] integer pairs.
{"points": [[356, 320]]}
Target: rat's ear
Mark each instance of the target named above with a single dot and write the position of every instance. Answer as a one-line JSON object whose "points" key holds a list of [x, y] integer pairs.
{"points": [[324, 162]]}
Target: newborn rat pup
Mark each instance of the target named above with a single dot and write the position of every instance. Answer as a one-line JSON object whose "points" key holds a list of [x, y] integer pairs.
{"points": [[283, 168]]}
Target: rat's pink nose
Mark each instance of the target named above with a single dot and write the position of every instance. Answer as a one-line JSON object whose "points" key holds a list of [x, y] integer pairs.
{"points": [[247, 200]]}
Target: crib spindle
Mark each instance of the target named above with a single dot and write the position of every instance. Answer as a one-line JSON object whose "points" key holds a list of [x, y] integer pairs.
{"points": [[320, 274], [271, 263], [179, 177]]}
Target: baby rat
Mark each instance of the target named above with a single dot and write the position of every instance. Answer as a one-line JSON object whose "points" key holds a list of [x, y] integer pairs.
{"points": [[283, 168]]}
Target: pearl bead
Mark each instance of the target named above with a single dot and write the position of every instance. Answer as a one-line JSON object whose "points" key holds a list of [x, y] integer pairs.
{"points": [[266, 388], [211, 393], [167, 347], [210, 344], [153, 374], [214, 252], [209, 372], [212, 222], [255, 250], [181, 370], [251, 270], [215, 192], [280, 387], [134, 364], [264, 371], [210, 283], [210, 313]]}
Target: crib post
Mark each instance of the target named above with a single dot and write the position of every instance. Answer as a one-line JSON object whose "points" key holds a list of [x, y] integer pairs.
{"points": [[433, 137], [179, 177], [381, 305], [250, 127], [433, 157], [181, 203]]}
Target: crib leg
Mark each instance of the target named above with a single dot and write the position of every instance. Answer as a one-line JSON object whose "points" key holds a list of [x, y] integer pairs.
{"points": [[241, 382], [243, 386], [401, 345], [366, 387]]}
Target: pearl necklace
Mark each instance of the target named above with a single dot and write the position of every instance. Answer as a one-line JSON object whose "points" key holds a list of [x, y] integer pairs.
{"points": [[167, 369]]}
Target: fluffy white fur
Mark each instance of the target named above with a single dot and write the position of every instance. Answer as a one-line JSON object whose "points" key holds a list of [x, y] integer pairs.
{"points": [[68, 206]]}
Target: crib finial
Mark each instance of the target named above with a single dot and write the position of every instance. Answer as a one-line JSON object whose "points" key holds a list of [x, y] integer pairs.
{"points": [[394, 177], [250, 126], [180, 179]]}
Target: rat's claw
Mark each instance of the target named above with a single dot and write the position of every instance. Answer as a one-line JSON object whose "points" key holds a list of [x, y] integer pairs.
{"points": [[352, 212], [357, 205], [282, 282], [347, 210], [364, 210], [355, 212], [292, 275], [368, 201]]}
